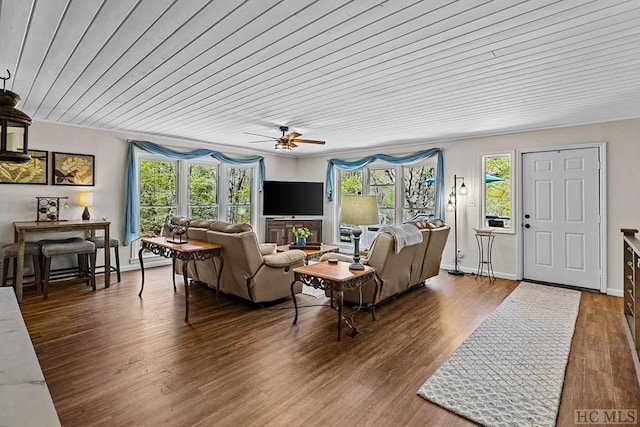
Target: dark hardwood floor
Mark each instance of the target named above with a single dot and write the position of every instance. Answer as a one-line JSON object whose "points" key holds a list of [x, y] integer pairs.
{"points": [[113, 359]]}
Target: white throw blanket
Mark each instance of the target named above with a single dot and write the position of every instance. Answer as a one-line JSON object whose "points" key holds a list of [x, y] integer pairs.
{"points": [[404, 235]]}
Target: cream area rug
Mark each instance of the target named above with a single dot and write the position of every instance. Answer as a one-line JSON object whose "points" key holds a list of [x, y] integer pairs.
{"points": [[510, 370]]}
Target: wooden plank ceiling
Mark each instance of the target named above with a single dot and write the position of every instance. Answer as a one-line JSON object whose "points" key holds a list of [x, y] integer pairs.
{"points": [[354, 73]]}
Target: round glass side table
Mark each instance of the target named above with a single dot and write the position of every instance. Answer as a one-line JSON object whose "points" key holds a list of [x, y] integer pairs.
{"points": [[484, 238]]}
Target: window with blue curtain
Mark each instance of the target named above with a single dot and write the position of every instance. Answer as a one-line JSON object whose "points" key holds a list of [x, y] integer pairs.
{"points": [[244, 176]]}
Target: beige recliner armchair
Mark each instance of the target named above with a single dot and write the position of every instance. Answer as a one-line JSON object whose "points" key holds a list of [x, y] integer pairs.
{"points": [[251, 271]]}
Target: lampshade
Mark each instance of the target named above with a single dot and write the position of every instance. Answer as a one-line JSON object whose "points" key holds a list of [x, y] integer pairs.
{"points": [[86, 199], [463, 189], [359, 210], [450, 207]]}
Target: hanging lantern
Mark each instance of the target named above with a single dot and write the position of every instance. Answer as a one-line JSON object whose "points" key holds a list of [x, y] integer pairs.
{"points": [[14, 127]]}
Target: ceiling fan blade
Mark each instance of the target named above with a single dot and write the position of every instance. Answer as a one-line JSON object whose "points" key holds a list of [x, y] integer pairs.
{"points": [[262, 140], [292, 135], [292, 145], [308, 141], [264, 136]]}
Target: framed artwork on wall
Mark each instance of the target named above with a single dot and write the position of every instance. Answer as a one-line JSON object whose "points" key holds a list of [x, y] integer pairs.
{"points": [[73, 169], [32, 172]]}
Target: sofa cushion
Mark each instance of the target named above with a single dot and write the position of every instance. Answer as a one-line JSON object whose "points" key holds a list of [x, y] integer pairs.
{"points": [[420, 224], [201, 223], [268, 248], [284, 259], [436, 223], [226, 227]]}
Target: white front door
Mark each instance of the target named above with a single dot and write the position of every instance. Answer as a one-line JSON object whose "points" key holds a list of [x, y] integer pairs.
{"points": [[561, 217]]}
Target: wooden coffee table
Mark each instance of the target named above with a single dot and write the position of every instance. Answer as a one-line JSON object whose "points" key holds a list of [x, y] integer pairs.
{"points": [[312, 254], [335, 277]]}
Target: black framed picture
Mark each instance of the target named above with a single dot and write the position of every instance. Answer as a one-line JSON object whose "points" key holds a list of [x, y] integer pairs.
{"points": [[32, 172], [73, 169]]}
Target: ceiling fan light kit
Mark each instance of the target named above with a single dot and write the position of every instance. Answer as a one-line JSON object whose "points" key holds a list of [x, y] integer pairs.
{"points": [[287, 141]]}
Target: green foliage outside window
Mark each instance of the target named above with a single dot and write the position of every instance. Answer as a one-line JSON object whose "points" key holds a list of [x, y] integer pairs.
{"points": [[203, 191], [382, 184], [157, 195], [498, 193], [350, 183], [419, 192], [238, 195]]}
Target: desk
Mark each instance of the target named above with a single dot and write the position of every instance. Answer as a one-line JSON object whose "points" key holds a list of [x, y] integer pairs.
{"points": [[192, 250], [336, 277], [22, 228]]}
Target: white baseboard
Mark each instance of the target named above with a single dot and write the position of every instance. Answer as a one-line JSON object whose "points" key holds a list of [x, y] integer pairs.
{"points": [[614, 292], [473, 271]]}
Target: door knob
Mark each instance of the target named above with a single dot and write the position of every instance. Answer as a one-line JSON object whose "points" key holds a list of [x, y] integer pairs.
{"points": [[527, 226], [527, 216]]}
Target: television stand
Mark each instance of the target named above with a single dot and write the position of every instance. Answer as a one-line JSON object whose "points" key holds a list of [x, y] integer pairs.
{"points": [[279, 230]]}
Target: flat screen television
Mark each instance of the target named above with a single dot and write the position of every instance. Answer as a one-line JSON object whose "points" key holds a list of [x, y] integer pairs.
{"points": [[292, 198]]}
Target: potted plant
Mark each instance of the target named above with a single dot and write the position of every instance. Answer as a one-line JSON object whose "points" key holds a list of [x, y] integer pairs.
{"points": [[301, 234]]}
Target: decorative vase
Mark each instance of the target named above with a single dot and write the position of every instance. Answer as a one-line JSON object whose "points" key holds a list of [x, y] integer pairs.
{"points": [[301, 241]]}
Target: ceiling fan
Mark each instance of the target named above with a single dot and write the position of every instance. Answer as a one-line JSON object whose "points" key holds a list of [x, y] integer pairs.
{"points": [[286, 141]]}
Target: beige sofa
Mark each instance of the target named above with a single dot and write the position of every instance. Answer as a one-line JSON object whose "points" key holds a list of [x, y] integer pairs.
{"points": [[251, 271], [398, 272]]}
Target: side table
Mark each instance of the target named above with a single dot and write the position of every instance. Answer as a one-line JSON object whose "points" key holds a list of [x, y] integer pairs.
{"points": [[335, 277], [484, 238], [191, 250]]}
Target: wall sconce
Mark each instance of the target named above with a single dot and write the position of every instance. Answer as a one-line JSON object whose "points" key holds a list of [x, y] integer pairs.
{"points": [[14, 127], [86, 200], [452, 206]]}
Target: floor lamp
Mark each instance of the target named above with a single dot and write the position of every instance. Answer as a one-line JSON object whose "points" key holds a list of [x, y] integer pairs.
{"points": [[452, 206], [358, 210]]}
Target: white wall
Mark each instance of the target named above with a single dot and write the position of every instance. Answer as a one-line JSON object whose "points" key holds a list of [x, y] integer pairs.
{"points": [[463, 158]]}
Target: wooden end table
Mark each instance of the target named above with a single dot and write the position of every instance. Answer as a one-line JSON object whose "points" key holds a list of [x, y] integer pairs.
{"points": [[338, 277], [191, 250]]}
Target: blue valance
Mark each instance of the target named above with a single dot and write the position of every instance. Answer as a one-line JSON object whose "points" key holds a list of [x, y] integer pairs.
{"points": [[132, 195], [355, 165]]}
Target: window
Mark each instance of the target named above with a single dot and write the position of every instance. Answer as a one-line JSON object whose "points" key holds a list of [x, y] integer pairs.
{"points": [[200, 189], [382, 184], [402, 193], [239, 185], [418, 191], [158, 195], [497, 200], [203, 191]]}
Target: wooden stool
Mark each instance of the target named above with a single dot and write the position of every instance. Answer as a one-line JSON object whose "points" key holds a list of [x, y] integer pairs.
{"points": [[113, 243], [75, 246], [10, 251]]}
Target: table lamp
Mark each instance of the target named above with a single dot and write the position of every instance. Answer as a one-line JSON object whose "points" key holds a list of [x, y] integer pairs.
{"points": [[358, 210], [86, 200]]}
